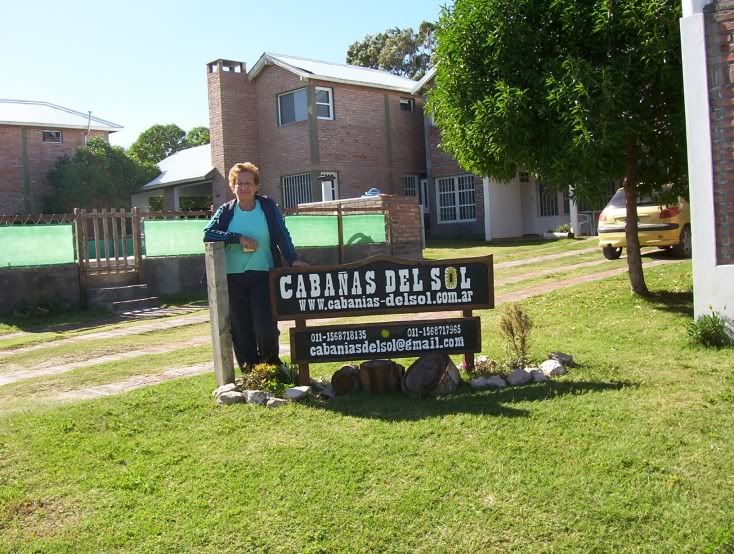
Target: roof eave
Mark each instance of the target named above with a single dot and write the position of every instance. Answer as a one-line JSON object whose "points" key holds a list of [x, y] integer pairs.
{"points": [[60, 126], [206, 179], [430, 74]]}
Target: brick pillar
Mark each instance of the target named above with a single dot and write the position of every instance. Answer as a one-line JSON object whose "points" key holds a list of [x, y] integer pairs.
{"points": [[232, 125], [719, 18]]}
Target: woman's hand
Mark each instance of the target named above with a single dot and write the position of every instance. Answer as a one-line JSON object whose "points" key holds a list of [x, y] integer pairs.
{"points": [[299, 263], [248, 244]]}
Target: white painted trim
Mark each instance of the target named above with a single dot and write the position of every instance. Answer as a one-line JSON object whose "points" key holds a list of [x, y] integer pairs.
{"points": [[711, 282], [330, 103], [487, 210]]}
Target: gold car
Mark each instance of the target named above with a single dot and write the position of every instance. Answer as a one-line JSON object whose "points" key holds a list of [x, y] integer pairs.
{"points": [[662, 225]]}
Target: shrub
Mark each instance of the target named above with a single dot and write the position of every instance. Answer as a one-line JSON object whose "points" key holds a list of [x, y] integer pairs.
{"points": [[563, 228], [270, 377], [712, 330], [484, 366], [514, 328]]}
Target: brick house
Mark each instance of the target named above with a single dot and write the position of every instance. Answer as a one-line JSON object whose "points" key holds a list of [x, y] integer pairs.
{"points": [[463, 204], [318, 131], [708, 81], [32, 136]]}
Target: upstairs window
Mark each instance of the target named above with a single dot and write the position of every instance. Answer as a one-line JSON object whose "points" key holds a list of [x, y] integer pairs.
{"points": [[324, 103], [292, 107], [53, 136], [407, 105]]}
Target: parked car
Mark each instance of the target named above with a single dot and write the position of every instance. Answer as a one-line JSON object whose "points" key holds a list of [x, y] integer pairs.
{"points": [[666, 226]]}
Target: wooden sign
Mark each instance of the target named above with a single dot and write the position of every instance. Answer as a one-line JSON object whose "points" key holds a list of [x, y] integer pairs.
{"points": [[368, 341], [382, 285]]}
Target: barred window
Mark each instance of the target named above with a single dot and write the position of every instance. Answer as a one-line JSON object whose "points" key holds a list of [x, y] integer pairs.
{"points": [[524, 177], [296, 189], [410, 185], [547, 201], [456, 200]]}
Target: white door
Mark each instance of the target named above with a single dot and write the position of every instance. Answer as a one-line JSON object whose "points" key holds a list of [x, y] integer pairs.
{"points": [[329, 187]]}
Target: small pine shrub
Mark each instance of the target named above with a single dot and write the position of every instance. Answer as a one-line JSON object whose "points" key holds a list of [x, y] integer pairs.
{"points": [[270, 377], [514, 328], [711, 330]]}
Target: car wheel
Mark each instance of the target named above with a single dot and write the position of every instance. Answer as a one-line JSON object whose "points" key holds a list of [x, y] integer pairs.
{"points": [[684, 248], [611, 253]]}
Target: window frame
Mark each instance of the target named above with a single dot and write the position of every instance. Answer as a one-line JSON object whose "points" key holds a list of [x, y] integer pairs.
{"points": [[297, 179], [50, 132], [455, 194], [410, 102], [406, 187], [547, 199], [280, 114], [330, 92]]}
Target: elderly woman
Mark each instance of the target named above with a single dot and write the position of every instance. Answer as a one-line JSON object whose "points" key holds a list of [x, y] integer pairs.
{"points": [[256, 241]]}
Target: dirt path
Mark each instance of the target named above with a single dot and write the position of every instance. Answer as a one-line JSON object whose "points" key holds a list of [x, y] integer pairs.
{"points": [[137, 382]]}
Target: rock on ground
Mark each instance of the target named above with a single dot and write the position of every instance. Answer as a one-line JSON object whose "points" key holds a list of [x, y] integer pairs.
{"points": [[276, 402], [552, 368], [297, 393], [537, 374], [565, 359], [231, 397], [224, 388], [256, 397], [519, 377]]}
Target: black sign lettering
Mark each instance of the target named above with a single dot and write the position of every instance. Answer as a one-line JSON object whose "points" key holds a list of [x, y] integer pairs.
{"points": [[384, 340], [382, 285]]}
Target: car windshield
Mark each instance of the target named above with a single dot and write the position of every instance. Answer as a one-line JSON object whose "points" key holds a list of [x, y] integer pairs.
{"points": [[618, 200]]}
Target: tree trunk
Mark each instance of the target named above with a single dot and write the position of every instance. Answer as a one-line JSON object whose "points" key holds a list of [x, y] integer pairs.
{"points": [[634, 259]]}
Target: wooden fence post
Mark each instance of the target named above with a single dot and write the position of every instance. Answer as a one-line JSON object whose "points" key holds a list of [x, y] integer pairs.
{"points": [[81, 254], [216, 285]]}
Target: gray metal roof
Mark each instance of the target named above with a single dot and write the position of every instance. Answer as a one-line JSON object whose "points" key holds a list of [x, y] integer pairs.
{"points": [[335, 72], [45, 114], [190, 165]]}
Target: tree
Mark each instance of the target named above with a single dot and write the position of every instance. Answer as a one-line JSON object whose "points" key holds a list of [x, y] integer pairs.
{"points": [[99, 175], [157, 143], [577, 92], [197, 136], [402, 52]]}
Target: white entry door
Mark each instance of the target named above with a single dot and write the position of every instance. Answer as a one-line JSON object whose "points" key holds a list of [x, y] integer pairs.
{"points": [[329, 186]]}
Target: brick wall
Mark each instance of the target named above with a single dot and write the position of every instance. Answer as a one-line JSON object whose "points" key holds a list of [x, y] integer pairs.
{"points": [[356, 144], [40, 156], [720, 54], [283, 150], [232, 124]]}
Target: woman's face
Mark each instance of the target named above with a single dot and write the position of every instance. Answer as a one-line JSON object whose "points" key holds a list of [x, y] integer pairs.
{"points": [[245, 187]]}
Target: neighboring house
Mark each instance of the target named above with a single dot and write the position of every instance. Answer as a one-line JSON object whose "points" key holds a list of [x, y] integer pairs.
{"points": [[33, 135], [186, 173], [708, 82], [463, 204], [317, 130]]}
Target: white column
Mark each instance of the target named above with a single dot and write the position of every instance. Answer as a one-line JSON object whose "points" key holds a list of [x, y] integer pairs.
{"points": [[487, 210], [573, 210], [711, 282]]}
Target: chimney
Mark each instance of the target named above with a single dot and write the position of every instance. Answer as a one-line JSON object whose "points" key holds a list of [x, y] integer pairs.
{"points": [[232, 125]]}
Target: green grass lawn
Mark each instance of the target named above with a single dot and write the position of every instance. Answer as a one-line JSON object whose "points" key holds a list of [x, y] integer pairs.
{"points": [[631, 451]]}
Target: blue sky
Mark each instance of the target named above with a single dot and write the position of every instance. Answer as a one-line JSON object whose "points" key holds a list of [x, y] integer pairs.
{"points": [[138, 63]]}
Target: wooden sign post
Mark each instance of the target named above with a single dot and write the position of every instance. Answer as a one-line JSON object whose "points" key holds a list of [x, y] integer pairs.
{"points": [[216, 284]]}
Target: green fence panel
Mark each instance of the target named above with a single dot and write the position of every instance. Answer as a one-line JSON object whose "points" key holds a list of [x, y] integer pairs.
{"points": [[323, 230], [176, 237], [313, 230], [24, 245], [364, 229]]}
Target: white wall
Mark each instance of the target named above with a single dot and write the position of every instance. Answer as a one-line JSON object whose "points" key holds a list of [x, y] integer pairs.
{"points": [[533, 223], [506, 209], [713, 285]]}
